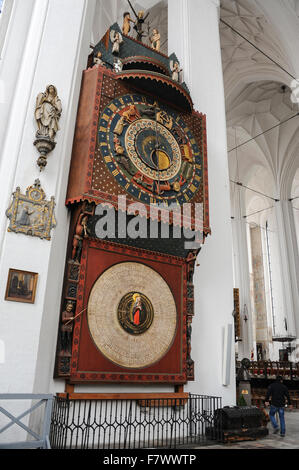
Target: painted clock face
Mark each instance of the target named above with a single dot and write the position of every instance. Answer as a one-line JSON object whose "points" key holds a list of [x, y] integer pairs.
{"points": [[135, 326], [149, 150]]}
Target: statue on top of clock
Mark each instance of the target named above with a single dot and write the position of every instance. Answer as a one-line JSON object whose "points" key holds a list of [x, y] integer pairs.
{"points": [[138, 22]]}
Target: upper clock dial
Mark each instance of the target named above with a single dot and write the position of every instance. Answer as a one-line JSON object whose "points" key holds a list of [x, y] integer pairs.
{"points": [[149, 150], [153, 149]]}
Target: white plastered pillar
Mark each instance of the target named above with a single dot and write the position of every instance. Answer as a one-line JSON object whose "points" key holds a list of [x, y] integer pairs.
{"points": [[55, 52], [194, 36], [289, 263], [242, 276]]}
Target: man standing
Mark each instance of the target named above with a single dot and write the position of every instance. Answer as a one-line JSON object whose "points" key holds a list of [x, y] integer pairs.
{"points": [[278, 393]]}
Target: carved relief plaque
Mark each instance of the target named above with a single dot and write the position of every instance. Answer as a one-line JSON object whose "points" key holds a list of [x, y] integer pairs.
{"points": [[30, 213]]}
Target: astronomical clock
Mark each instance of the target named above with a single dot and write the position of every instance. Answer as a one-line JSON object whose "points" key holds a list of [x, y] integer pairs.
{"points": [[139, 161]]}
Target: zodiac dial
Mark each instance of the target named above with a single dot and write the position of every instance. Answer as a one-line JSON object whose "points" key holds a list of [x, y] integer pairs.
{"points": [[149, 150]]}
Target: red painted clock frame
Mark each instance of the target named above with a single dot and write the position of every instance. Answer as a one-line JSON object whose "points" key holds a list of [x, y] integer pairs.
{"points": [[88, 364]]}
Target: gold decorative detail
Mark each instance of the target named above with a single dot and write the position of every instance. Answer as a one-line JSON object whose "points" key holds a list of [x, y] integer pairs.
{"points": [[31, 214]]}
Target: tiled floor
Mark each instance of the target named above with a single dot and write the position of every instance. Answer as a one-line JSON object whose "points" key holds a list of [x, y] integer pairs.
{"points": [[272, 441]]}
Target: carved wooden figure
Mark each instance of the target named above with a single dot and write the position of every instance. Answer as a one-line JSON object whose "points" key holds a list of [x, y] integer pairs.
{"points": [[80, 232], [67, 328], [176, 71], [117, 40], [98, 60], [156, 40], [126, 23]]}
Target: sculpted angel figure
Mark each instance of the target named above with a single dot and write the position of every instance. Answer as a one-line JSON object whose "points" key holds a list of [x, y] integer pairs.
{"points": [[98, 59], [117, 40], [117, 65], [47, 112], [156, 40], [176, 71]]}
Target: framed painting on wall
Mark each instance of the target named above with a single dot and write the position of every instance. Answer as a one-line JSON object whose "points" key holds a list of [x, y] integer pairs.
{"points": [[21, 286]]}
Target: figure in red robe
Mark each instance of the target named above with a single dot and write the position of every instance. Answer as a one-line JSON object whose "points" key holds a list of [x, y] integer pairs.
{"points": [[137, 310]]}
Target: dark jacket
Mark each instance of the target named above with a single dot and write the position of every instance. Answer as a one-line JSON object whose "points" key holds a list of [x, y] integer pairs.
{"points": [[278, 393]]}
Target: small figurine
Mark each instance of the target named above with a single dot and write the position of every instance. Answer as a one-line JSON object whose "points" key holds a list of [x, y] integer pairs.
{"points": [[67, 328], [97, 59], [140, 19], [126, 24], [117, 40], [80, 233], [47, 112], [176, 71], [117, 65], [155, 40]]}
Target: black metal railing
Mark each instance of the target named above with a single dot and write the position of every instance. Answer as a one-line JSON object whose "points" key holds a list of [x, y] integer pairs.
{"points": [[134, 423]]}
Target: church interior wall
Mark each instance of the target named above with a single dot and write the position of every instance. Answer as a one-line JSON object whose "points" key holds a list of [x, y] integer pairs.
{"points": [[242, 93], [246, 71]]}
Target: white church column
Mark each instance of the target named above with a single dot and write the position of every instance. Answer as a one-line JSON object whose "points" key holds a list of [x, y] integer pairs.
{"points": [[55, 53], [242, 276], [289, 264], [194, 37]]}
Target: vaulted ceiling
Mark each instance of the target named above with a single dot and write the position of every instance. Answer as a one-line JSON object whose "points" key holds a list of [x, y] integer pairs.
{"points": [[258, 98], [240, 59]]}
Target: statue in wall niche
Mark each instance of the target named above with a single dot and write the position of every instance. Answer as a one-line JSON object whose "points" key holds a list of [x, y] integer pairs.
{"points": [[155, 40], [117, 40], [80, 233], [67, 328], [176, 71], [191, 259], [48, 110], [126, 23]]}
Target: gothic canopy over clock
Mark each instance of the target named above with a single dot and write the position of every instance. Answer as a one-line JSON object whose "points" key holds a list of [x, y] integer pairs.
{"points": [[137, 136]]}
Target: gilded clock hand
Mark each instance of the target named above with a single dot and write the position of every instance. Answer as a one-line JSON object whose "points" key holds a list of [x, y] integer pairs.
{"points": [[157, 149]]}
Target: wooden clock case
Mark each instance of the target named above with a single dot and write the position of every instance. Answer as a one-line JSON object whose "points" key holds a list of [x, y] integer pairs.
{"points": [[91, 185]]}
